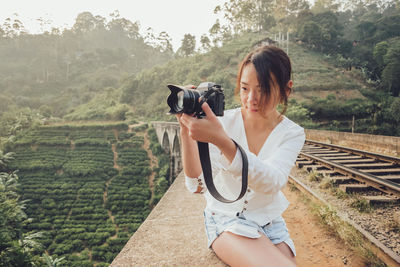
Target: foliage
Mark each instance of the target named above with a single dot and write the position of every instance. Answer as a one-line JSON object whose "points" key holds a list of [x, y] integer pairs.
{"points": [[391, 71], [188, 45], [56, 71], [162, 176], [16, 247], [321, 31], [76, 196]]}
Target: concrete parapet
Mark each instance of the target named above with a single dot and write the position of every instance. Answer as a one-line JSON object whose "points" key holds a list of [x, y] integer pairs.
{"points": [[389, 145], [172, 235]]}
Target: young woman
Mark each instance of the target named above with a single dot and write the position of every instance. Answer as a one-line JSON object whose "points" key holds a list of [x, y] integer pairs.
{"points": [[250, 231]]}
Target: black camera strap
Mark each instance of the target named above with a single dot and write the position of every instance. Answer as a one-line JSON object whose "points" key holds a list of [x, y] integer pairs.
{"points": [[207, 172]]}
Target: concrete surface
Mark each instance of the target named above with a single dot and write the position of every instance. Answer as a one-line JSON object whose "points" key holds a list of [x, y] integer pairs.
{"points": [[172, 235]]}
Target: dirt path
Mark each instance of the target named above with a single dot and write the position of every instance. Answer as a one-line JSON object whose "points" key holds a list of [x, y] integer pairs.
{"points": [[315, 244], [116, 166], [114, 150], [153, 160]]}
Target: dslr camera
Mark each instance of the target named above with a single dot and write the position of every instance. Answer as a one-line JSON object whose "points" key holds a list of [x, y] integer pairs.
{"points": [[189, 101]]}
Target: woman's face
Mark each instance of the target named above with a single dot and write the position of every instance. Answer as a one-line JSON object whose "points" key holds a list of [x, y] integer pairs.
{"points": [[250, 93]]}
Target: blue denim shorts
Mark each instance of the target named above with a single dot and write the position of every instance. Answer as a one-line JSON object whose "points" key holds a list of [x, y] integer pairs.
{"points": [[216, 224]]}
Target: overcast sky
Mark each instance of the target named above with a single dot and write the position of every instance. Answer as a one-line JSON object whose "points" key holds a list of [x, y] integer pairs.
{"points": [[176, 17]]}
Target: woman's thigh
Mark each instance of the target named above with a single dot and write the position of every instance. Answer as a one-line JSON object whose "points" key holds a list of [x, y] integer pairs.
{"points": [[236, 250]]}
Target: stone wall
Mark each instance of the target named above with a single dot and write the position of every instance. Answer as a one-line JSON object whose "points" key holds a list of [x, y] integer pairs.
{"points": [[388, 145]]}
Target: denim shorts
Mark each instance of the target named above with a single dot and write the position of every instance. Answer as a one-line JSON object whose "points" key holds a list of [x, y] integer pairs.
{"points": [[216, 224]]}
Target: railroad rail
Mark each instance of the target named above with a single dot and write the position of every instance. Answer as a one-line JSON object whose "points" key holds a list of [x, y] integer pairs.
{"points": [[355, 170]]}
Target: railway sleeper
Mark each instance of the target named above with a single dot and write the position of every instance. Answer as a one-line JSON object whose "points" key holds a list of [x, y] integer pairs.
{"points": [[377, 172], [366, 166], [376, 200], [314, 167], [341, 180], [393, 178], [332, 173], [300, 164], [354, 188]]}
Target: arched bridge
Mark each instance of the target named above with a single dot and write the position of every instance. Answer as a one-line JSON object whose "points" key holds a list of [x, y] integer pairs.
{"points": [[169, 138]]}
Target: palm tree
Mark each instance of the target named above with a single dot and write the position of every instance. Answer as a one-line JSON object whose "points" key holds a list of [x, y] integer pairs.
{"points": [[5, 159], [52, 262]]}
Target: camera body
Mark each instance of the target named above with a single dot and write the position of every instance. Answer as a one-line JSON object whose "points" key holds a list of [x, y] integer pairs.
{"points": [[189, 101]]}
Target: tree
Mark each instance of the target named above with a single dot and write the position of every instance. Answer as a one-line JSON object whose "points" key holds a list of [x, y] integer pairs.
{"points": [[215, 33], [311, 33], [188, 45], [52, 262], [380, 51], [205, 43], [150, 38], [164, 42], [321, 6], [15, 246], [366, 30], [84, 22], [391, 72], [5, 159]]}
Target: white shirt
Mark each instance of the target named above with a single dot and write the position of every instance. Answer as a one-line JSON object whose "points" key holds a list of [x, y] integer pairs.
{"points": [[267, 172]]}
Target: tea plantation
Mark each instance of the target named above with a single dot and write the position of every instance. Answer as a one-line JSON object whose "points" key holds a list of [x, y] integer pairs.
{"points": [[87, 188]]}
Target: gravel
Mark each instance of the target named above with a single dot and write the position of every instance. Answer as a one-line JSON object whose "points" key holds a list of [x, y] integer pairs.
{"points": [[382, 221]]}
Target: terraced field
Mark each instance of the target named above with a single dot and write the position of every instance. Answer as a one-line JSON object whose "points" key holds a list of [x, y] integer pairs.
{"points": [[87, 188]]}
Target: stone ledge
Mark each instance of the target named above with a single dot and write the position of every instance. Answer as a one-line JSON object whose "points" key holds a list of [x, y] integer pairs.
{"points": [[157, 242], [389, 145]]}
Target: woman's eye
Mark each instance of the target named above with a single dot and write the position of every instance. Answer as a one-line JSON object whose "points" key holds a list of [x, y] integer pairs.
{"points": [[244, 88]]}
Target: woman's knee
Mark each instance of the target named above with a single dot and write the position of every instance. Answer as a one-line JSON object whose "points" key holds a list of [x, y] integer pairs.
{"points": [[237, 250]]}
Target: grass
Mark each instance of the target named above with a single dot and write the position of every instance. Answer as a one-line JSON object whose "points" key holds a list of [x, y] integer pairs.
{"points": [[326, 183], [349, 235], [361, 204], [311, 71], [314, 176]]}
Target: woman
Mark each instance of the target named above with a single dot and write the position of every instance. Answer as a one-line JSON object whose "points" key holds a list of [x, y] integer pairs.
{"points": [[250, 231]]}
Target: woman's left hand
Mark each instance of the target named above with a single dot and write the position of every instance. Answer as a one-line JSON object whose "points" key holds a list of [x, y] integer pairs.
{"points": [[207, 129]]}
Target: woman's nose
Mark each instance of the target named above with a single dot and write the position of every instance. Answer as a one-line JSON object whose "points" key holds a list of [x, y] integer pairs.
{"points": [[252, 97]]}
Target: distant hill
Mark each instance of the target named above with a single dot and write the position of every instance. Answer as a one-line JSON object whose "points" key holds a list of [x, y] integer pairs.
{"points": [[145, 93], [56, 71]]}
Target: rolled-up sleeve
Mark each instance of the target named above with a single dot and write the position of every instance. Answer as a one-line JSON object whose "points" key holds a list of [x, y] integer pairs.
{"points": [[193, 184], [270, 175]]}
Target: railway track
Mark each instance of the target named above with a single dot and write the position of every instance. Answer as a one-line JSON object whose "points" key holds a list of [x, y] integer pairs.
{"points": [[375, 177]]}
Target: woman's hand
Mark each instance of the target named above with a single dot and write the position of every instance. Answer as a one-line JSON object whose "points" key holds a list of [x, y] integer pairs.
{"points": [[184, 129], [207, 129]]}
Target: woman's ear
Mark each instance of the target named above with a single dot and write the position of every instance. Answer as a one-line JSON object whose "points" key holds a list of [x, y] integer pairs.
{"points": [[289, 86]]}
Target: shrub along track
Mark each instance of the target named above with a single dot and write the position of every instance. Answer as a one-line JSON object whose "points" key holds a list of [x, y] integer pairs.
{"points": [[371, 207]]}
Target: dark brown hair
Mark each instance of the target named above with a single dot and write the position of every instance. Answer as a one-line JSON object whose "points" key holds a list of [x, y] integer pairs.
{"points": [[269, 61]]}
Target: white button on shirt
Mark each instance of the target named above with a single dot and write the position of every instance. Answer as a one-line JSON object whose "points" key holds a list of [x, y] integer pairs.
{"points": [[267, 174]]}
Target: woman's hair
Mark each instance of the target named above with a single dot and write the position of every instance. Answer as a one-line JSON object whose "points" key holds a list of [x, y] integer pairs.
{"points": [[272, 65]]}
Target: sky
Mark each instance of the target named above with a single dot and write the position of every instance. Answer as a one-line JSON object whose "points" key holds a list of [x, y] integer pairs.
{"points": [[176, 17]]}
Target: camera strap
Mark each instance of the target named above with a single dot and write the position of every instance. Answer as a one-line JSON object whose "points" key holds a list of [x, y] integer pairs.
{"points": [[207, 172]]}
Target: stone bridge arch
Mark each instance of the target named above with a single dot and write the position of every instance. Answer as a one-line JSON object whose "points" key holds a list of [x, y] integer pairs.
{"points": [[169, 138]]}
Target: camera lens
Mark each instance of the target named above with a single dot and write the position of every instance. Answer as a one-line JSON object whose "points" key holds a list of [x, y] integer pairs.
{"points": [[179, 102]]}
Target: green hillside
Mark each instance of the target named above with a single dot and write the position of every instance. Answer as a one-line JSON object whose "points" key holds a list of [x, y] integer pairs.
{"points": [[314, 76], [87, 187], [145, 94]]}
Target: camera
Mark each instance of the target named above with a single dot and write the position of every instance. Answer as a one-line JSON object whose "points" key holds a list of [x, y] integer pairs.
{"points": [[189, 101]]}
